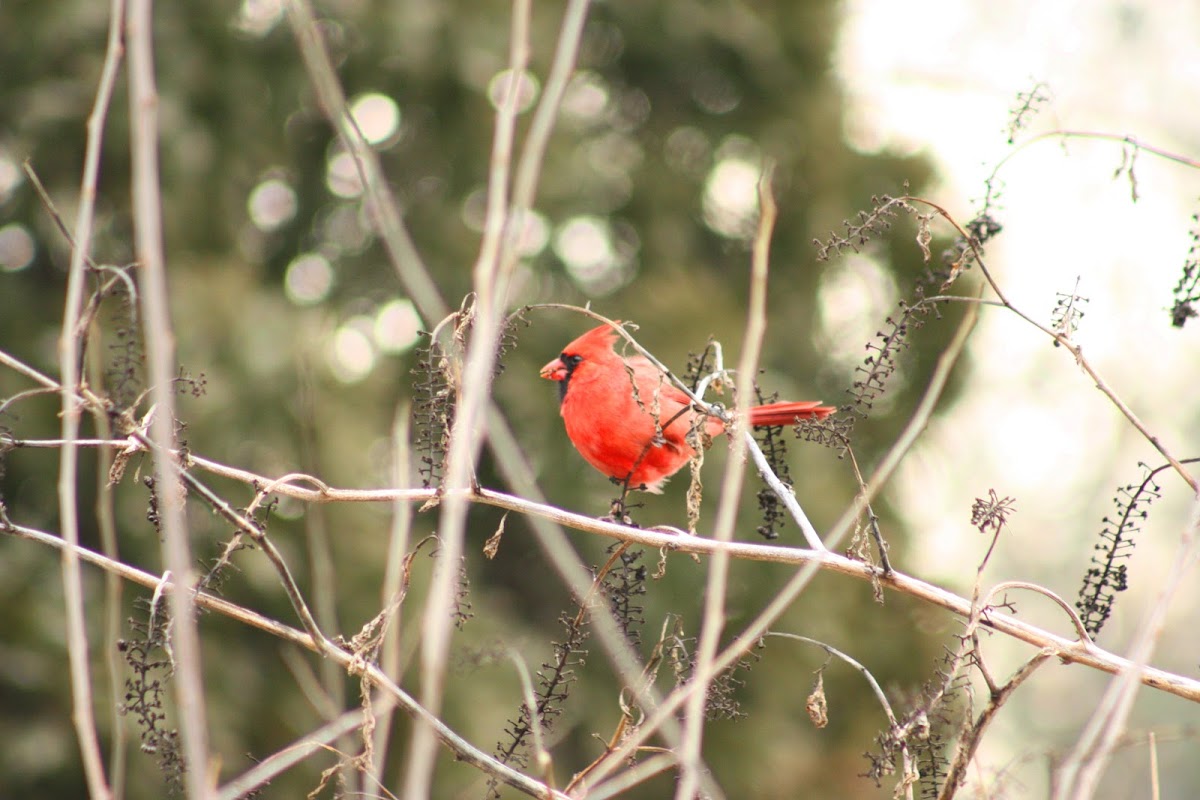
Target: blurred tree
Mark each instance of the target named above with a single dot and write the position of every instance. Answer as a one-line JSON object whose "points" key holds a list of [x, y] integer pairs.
{"points": [[285, 302]]}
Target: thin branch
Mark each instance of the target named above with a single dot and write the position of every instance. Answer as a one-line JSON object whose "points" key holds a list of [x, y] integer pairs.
{"points": [[1080, 629], [20, 367], [72, 407], [1102, 385], [466, 433], [731, 489], [637, 774], [541, 756], [1060, 338], [500, 217], [106, 524], [969, 743], [1155, 791], [906, 761], [160, 352], [384, 213], [786, 495], [1120, 138], [1080, 774], [295, 753], [533, 153], [463, 749], [866, 673], [393, 583]]}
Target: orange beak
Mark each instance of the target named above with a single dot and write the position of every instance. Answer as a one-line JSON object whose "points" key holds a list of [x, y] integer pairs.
{"points": [[554, 371]]}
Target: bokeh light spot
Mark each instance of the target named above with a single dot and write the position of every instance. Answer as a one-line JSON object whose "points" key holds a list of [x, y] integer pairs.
{"points": [[527, 89], [258, 17], [731, 197], [377, 116], [595, 257], [533, 234], [714, 92], [474, 209], [855, 292], [341, 175], [351, 354], [17, 248], [633, 109], [308, 279], [344, 229], [397, 326], [10, 176], [687, 150], [271, 204], [586, 98], [613, 154]]}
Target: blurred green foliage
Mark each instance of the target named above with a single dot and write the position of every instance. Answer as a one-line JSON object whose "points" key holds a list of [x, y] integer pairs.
{"points": [[667, 91]]}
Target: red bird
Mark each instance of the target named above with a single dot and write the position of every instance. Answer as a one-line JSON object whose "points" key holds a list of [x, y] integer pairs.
{"points": [[616, 432]]}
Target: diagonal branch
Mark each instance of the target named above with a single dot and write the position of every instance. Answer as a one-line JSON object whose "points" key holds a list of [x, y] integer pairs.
{"points": [[463, 749]]}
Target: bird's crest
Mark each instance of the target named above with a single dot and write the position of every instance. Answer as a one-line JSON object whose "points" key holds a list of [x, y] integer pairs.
{"points": [[597, 339]]}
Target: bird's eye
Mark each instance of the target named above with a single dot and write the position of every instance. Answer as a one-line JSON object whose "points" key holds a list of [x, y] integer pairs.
{"points": [[571, 361]]}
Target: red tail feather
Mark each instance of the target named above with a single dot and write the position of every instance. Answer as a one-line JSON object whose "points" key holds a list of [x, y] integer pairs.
{"points": [[788, 413]]}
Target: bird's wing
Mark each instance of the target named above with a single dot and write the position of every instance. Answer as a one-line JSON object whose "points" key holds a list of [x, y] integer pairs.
{"points": [[659, 397]]}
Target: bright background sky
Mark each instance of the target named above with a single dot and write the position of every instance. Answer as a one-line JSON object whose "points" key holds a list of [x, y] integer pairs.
{"points": [[940, 78]]}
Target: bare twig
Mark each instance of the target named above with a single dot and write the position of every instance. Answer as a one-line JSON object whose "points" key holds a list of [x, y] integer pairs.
{"points": [[160, 352], [731, 488], [466, 433], [1079, 775], [1042, 590], [385, 214], [541, 756], [908, 777], [500, 217], [295, 753], [393, 582], [529, 166], [464, 750], [1152, 744], [1124, 139], [969, 743], [1075, 350], [321, 565], [624, 781], [72, 407], [106, 524], [786, 495]]}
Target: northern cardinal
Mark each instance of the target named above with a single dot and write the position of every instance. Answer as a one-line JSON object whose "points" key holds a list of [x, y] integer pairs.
{"points": [[616, 432]]}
